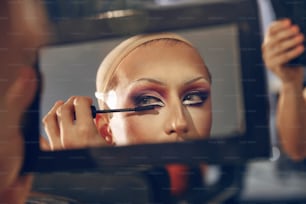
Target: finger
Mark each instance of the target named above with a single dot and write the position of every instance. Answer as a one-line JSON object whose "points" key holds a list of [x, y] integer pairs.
{"points": [[44, 144], [278, 25], [86, 124], [73, 135], [65, 115], [289, 44], [278, 31], [285, 35], [284, 58], [281, 36], [83, 111], [51, 126]]}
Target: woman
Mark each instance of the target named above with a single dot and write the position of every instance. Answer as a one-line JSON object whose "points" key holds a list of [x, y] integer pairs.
{"points": [[163, 70]]}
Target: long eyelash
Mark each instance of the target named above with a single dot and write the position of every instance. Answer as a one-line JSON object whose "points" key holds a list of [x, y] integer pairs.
{"points": [[203, 96], [138, 98]]}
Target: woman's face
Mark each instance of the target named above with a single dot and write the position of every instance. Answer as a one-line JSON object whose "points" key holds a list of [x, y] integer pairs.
{"points": [[171, 76]]}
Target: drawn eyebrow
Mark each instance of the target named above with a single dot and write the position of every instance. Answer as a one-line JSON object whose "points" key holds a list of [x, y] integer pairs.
{"points": [[149, 80], [163, 84], [196, 79]]}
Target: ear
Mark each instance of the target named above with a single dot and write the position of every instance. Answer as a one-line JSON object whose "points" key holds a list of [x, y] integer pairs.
{"points": [[102, 123]]}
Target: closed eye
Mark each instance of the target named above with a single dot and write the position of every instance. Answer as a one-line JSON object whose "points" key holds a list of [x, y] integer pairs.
{"points": [[195, 98]]}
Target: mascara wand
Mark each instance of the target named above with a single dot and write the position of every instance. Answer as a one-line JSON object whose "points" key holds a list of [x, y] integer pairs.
{"points": [[94, 111]]}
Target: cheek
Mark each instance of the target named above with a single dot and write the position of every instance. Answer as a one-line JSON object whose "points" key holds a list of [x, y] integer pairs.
{"points": [[202, 120], [143, 129], [117, 126], [135, 129]]}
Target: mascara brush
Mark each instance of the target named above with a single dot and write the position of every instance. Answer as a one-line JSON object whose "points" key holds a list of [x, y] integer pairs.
{"points": [[94, 111]]}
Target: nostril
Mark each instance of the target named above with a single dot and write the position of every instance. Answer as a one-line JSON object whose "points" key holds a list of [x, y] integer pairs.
{"points": [[177, 129], [170, 131], [181, 128], [185, 129]]}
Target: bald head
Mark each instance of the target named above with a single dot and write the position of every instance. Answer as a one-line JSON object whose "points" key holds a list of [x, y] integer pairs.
{"points": [[107, 69]]}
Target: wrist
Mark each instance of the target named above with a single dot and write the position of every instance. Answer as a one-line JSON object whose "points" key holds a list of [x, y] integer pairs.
{"points": [[292, 88]]}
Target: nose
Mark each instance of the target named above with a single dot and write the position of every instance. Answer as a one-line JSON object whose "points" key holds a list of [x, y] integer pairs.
{"points": [[178, 121]]}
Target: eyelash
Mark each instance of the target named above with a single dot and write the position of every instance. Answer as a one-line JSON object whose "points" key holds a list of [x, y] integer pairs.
{"points": [[201, 97], [200, 100], [142, 100]]}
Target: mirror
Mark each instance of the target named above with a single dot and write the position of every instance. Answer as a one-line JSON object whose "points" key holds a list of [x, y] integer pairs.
{"points": [[226, 36], [71, 70], [135, 187]]}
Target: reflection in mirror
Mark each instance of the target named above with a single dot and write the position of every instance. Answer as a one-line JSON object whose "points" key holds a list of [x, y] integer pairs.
{"points": [[215, 86]]}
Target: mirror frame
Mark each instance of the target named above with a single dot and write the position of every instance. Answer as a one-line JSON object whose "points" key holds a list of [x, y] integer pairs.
{"points": [[254, 143]]}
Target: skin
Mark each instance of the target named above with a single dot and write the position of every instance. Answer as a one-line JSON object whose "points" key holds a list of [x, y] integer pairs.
{"points": [[180, 114], [21, 36], [68, 132], [176, 117], [182, 99], [282, 43]]}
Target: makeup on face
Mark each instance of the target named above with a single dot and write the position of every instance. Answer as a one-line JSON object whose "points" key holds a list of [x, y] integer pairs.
{"points": [[146, 92], [177, 83]]}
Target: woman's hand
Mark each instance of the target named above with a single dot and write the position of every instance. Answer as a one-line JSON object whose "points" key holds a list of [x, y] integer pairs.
{"points": [[283, 42], [70, 125]]}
